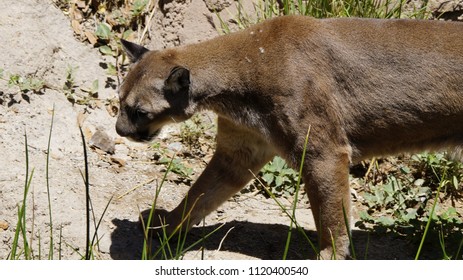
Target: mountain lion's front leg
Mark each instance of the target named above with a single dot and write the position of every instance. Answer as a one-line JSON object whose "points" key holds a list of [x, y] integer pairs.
{"points": [[239, 151]]}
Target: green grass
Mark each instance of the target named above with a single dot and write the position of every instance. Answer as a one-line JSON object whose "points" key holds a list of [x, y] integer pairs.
{"points": [[266, 9], [27, 250], [21, 224], [47, 178], [25, 246], [22, 245], [173, 245]]}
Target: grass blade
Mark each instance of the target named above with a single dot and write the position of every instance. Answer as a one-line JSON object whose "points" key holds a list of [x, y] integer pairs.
{"points": [[47, 178], [442, 182], [21, 224], [87, 197], [349, 232], [298, 185]]}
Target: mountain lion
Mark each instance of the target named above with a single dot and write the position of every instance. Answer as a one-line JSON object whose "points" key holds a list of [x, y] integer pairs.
{"points": [[364, 87]]}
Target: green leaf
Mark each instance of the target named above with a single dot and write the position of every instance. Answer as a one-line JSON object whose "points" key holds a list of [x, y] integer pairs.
{"points": [[423, 191], [389, 189], [268, 178], [93, 91], [106, 50], [95, 86], [279, 180], [127, 34], [364, 216], [449, 214], [112, 70], [32, 84], [138, 7], [455, 182], [103, 31], [418, 182], [14, 80], [410, 214], [405, 170], [279, 163], [386, 221]]}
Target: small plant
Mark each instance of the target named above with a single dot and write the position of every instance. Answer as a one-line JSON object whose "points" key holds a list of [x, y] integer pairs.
{"points": [[22, 245], [291, 213], [173, 164], [402, 204], [280, 179], [74, 93], [177, 167], [69, 86], [192, 131], [23, 85], [406, 203], [26, 84], [430, 165], [165, 249], [21, 224]]}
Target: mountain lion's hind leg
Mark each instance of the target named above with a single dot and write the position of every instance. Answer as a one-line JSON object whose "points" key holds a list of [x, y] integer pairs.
{"points": [[239, 151], [327, 185]]}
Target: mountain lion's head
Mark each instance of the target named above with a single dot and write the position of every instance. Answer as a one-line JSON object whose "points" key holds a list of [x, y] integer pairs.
{"points": [[154, 93]]}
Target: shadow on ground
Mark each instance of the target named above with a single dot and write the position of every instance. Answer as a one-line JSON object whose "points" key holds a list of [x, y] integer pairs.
{"points": [[267, 241], [263, 241]]}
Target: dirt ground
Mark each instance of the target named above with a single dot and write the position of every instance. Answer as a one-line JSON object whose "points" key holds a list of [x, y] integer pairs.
{"points": [[37, 40]]}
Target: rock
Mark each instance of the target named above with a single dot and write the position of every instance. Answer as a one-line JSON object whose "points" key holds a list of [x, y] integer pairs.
{"points": [[4, 225], [102, 141], [175, 147], [217, 5], [446, 9], [119, 161]]}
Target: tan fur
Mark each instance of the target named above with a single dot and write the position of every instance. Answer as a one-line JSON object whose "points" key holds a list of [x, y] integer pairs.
{"points": [[365, 87]]}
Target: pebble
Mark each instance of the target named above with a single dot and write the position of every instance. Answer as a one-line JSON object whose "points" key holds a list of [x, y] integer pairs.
{"points": [[102, 141], [119, 161], [175, 146], [4, 225]]}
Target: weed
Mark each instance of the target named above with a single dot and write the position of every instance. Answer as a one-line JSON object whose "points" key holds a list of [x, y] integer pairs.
{"points": [[93, 90], [406, 203], [193, 130], [430, 165], [26, 84], [22, 85], [69, 86], [173, 164], [165, 248], [178, 167], [26, 250], [73, 92], [103, 23], [266, 9], [21, 224], [280, 179], [47, 179]]}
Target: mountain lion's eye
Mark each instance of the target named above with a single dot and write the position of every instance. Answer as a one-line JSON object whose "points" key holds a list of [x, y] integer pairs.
{"points": [[140, 113], [137, 113]]}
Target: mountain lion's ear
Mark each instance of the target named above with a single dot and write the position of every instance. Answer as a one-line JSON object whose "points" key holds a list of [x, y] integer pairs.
{"points": [[179, 79], [134, 51]]}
